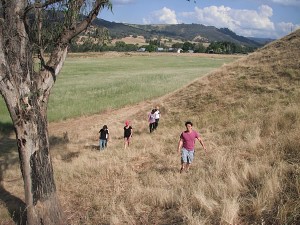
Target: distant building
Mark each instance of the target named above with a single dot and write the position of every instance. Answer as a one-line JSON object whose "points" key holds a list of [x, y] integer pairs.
{"points": [[141, 50], [160, 49], [179, 50]]}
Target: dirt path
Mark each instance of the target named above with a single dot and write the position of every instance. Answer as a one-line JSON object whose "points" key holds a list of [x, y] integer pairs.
{"points": [[85, 129]]}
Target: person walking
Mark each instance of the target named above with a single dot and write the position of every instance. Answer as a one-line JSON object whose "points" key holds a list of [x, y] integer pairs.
{"points": [[186, 146], [156, 116], [151, 120], [128, 131], [103, 137]]}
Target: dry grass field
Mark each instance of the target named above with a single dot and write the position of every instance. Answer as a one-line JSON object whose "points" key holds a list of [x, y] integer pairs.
{"points": [[139, 40], [248, 114]]}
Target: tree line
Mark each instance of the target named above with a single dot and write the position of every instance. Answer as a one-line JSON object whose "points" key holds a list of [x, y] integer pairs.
{"points": [[218, 47]]}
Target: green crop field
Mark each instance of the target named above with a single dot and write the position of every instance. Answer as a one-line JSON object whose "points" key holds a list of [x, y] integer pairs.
{"points": [[90, 84]]}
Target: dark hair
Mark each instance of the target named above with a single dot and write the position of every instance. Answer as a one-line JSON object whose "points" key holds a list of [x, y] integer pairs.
{"points": [[188, 122], [104, 127]]}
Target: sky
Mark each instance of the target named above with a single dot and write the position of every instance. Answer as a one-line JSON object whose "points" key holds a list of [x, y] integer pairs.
{"points": [[248, 18]]}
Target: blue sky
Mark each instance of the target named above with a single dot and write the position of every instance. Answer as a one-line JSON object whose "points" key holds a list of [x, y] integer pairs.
{"points": [[249, 18]]}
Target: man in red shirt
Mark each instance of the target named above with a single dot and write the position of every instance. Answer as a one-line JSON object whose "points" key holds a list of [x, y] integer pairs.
{"points": [[186, 146]]}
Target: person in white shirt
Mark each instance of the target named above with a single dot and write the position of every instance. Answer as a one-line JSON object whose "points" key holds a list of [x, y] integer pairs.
{"points": [[156, 116], [151, 120]]}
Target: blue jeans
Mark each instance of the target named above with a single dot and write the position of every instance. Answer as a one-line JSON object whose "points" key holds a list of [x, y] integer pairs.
{"points": [[102, 144]]}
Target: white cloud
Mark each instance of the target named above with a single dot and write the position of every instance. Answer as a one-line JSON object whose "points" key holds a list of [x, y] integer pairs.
{"points": [[215, 16], [162, 16], [146, 21], [284, 28], [245, 22], [241, 21], [287, 2], [265, 11]]}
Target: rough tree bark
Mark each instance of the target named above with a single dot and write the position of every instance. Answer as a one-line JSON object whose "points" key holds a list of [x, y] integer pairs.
{"points": [[26, 91]]}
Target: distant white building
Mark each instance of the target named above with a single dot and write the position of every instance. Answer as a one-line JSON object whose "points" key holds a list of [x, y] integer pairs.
{"points": [[160, 49], [179, 50], [141, 50]]}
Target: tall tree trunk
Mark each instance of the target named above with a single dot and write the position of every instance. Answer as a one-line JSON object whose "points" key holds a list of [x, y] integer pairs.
{"points": [[33, 146], [26, 89], [26, 94]]}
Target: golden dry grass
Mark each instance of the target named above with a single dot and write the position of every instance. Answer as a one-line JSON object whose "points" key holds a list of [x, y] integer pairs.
{"points": [[248, 115]]}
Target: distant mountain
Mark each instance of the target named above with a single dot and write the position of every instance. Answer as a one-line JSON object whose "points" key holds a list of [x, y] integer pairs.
{"points": [[262, 41], [184, 32], [241, 39]]}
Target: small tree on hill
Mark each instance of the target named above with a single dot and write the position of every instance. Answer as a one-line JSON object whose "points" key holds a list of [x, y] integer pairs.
{"points": [[28, 29]]}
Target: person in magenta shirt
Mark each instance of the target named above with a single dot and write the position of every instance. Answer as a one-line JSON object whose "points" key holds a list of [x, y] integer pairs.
{"points": [[186, 146]]}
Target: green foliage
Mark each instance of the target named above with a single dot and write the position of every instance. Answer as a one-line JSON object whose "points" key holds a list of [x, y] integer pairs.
{"points": [[150, 48], [199, 48], [177, 45], [221, 47], [155, 42], [187, 46], [121, 46], [90, 46]]}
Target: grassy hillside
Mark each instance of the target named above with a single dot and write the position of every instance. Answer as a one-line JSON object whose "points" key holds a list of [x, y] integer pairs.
{"points": [[248, 115]]}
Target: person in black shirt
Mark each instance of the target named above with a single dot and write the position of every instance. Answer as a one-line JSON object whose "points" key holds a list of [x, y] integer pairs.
{"points": [[103, 137], [127, 134]]}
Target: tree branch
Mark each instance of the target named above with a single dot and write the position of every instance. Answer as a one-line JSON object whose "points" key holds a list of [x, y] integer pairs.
{"points": [[39, 5], [72, 32]]}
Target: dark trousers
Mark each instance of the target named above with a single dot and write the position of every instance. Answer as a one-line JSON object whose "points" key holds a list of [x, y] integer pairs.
{"points": [[156, 123], [151, 127]]}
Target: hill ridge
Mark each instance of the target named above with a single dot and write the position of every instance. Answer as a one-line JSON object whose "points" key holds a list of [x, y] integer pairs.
{"points": [[288, 48], [187, 32]]}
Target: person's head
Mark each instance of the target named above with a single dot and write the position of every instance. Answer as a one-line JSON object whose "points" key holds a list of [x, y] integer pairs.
{"points": [[189, 125], [105, 127], [153, 111], [126, 123], [157, 107]]}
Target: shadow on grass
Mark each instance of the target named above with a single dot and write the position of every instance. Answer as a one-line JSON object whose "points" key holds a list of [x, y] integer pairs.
{"points": [[7, 144], [92, 147], [59, 145], [69, 156], [15, 206], [6, 128], [8, 147], [9, 157]]}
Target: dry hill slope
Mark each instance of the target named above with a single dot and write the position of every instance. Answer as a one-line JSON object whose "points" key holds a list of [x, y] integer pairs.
{"points": [[248, 114], [250, 111], [272, 69]]}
